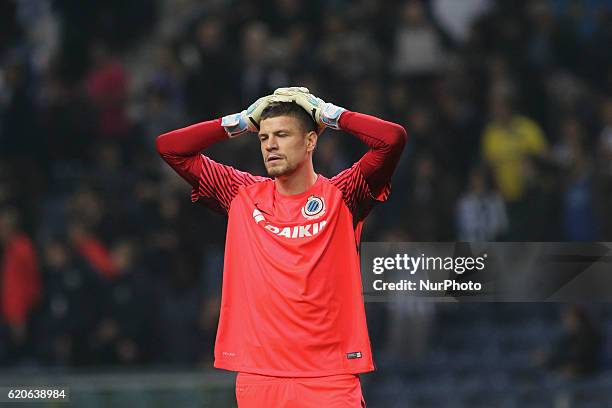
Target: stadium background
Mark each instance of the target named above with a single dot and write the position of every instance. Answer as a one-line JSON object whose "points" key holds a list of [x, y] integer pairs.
{"points": [[110, 277]]}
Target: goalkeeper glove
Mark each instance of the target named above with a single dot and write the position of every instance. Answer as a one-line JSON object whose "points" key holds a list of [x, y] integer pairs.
{"points": [[248, 120], [324, 114]]}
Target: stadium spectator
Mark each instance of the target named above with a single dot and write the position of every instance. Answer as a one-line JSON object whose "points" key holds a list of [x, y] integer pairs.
{"points": [[92, 250], [457, 17], [507, 141], [17, 108], [179, 340], [348, 52], [209, 68], [577, 351], [163, 109], [571, 142], [604, 166], [20, 280], [605, 137], [68, 309], [68, 120], [428, 216], [481, 212], [408, 321], [580, 223], [124, 333], [258, 73], [107, 85], [418, 47], [512, 145]]}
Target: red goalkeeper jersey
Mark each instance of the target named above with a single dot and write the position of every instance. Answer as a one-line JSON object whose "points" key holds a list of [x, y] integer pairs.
{"points": [[292, 300]]}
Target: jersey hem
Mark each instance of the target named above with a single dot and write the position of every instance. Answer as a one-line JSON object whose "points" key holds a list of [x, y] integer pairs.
{"points": [[282, 373]]}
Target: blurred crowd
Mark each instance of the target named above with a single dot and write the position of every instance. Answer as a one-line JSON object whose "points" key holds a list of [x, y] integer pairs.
{"points": [[104, 260]]}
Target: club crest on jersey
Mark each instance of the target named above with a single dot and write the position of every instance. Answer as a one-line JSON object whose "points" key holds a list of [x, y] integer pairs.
{"points": [[314, 208]]}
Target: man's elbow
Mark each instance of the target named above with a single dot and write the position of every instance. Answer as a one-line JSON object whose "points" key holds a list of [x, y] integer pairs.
{"points": [[160, 145], [399, 137]]}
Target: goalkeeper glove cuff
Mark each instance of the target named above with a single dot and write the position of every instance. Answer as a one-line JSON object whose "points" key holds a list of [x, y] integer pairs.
{"points": [[330, 115], [235, 124]]}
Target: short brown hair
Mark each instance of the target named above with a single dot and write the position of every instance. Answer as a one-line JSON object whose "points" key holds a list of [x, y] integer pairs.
{"points": [[292, 109]]}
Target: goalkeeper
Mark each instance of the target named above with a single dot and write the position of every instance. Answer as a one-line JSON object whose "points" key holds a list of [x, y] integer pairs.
{"points": [[292, 320]]}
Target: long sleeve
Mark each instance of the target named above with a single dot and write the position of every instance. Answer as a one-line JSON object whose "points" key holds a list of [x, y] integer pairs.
{"points": [[386, 141], [181, 148], [213, 183], [369, 180]]}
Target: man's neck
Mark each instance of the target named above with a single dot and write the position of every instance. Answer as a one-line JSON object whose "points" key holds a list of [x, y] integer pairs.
{"points": [[296, 183]]}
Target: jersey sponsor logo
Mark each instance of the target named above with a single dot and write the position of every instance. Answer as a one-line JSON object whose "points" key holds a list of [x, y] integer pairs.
{"points": [[297, 231], [353, 355], [314, 208]]}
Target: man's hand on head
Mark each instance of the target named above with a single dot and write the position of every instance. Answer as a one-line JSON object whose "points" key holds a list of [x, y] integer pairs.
{"points": [[248, 120], [323, 113]]}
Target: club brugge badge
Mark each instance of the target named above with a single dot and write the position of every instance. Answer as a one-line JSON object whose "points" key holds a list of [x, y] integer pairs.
{"points": [[314, 208]]}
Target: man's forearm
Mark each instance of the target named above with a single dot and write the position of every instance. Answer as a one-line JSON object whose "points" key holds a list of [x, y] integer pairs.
{"points": [[190, 140], [181, 148], [386, 141]]}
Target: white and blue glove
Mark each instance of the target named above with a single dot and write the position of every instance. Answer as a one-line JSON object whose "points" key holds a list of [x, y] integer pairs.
{"points": [[324, 114], [248, 120]]}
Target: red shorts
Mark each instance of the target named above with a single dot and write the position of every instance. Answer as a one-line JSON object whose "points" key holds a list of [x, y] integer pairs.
{"points": [[335, 391]]}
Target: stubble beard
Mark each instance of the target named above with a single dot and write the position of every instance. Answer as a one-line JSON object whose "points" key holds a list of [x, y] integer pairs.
{"points": [[278, 170]]}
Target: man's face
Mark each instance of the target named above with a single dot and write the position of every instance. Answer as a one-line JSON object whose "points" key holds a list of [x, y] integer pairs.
{"points": [[285, 145]]}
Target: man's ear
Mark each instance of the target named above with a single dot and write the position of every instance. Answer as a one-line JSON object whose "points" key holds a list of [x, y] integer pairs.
{"points": [[311, 140]]}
